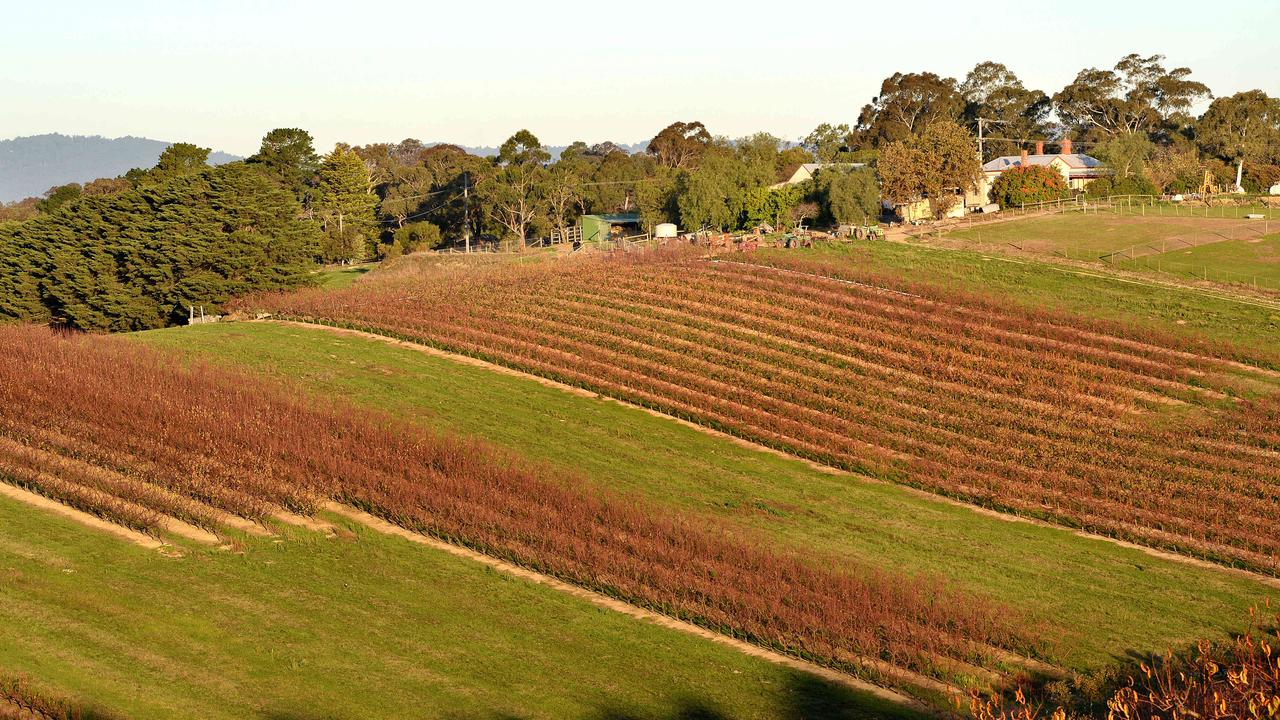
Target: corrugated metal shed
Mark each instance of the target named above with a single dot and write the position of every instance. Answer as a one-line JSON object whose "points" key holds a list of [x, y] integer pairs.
{"points": [[597, 227]]}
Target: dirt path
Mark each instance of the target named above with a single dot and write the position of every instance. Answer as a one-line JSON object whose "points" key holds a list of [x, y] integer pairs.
{"points": [[383, 526], [188, 531], [303, 521], [84, 518], [1007, 517]]}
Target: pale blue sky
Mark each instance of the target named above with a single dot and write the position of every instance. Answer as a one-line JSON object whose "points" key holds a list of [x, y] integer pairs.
{"points": [[223, 73]]}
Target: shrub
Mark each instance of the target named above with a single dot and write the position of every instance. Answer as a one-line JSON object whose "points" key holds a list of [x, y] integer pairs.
{"points": [[21, 700], [417, 236], [1213, 681], [1098, 188], [1134, 185], [1030, 184]]}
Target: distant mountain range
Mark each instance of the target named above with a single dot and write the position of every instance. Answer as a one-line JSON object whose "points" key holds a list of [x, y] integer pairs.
{"points": [[29, 166], [555, 150]]}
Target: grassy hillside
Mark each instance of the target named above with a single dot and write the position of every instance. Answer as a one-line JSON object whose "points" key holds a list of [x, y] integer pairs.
{"points": [[1044, 285], [358, 626], [1088, 236], [1100, 600], [336, 278], [1169, 241], [1240, 261]]}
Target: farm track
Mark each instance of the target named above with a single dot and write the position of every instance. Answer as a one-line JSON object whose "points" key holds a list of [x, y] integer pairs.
{"points": [[1022, 412]]}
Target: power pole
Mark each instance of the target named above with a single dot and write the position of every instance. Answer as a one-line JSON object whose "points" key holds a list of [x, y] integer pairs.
{"points": [[466, 212], [981, 124]]}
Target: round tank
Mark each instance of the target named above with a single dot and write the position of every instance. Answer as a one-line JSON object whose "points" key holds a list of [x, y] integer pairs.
{"points": [[665, 230]]}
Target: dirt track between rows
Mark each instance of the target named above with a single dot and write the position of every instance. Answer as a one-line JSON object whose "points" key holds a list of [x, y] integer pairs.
{"points": [[84, 518]]}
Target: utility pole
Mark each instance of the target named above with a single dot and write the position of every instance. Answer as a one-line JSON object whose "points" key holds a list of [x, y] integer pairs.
{"points": [[981, 124], [466, 212]]}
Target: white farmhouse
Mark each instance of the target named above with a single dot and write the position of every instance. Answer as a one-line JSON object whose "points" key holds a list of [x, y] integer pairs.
{"points": [[1077, 169]]}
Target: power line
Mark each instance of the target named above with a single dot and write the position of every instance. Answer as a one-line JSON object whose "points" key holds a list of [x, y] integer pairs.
{"points": [[619, 182], [397, 221], [426, 195]]}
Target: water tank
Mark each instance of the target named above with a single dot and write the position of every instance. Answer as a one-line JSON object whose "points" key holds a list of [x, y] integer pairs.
{"points": [[665, 230]]}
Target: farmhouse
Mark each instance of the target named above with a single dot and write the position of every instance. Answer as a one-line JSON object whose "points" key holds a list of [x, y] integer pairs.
{"points": [[795, 174], [1077, 169]]}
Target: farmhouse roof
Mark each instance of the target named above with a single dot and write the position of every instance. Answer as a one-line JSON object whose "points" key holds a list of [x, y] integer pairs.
{"points": [[788, 172], [1074, 161]]}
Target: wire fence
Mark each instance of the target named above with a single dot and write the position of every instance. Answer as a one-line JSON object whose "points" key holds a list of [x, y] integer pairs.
{"points": [[1228, 207], [1193, 270]]}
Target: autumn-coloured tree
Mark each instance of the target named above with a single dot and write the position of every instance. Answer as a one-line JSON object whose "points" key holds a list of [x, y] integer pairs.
{"points": [[934, 164]]}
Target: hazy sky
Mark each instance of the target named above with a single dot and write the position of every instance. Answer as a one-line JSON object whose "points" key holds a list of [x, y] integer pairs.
{"points": [[222, 73]]}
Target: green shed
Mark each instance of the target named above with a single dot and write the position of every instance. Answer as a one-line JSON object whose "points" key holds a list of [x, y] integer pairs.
{"points": [[599, 228]]}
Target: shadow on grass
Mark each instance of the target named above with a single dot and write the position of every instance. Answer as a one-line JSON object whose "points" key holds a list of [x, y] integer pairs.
{"points": [[804, 697]]}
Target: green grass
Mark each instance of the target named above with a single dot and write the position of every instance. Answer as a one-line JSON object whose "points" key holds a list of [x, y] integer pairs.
{"points": [[335, 278], [1100, 601], [358, 626], [1215, 248], [1238, 261], [1081, 235], [1047, 285]]}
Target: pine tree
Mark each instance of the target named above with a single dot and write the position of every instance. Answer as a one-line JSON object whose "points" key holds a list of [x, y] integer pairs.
{"points": [[136, 259], [346, 207]]}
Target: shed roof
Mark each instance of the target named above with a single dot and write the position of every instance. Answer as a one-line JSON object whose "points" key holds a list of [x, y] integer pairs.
{"points": [[618, 218]]}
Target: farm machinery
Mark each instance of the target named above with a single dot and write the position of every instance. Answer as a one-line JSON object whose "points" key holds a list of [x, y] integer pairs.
{"points": [[860, 232]]}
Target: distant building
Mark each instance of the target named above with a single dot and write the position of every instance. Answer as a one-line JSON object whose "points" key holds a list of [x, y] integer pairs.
{"points": [[602, 228], [795, 174], [1077, 169], [921, 210]]}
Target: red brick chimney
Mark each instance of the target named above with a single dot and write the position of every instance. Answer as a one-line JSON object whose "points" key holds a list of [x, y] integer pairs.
{"points": [[1039, 147], [1024, 157], [1066, 146]]}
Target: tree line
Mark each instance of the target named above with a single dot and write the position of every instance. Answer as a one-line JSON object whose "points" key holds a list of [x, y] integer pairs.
{"points": [[135, 251]]}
